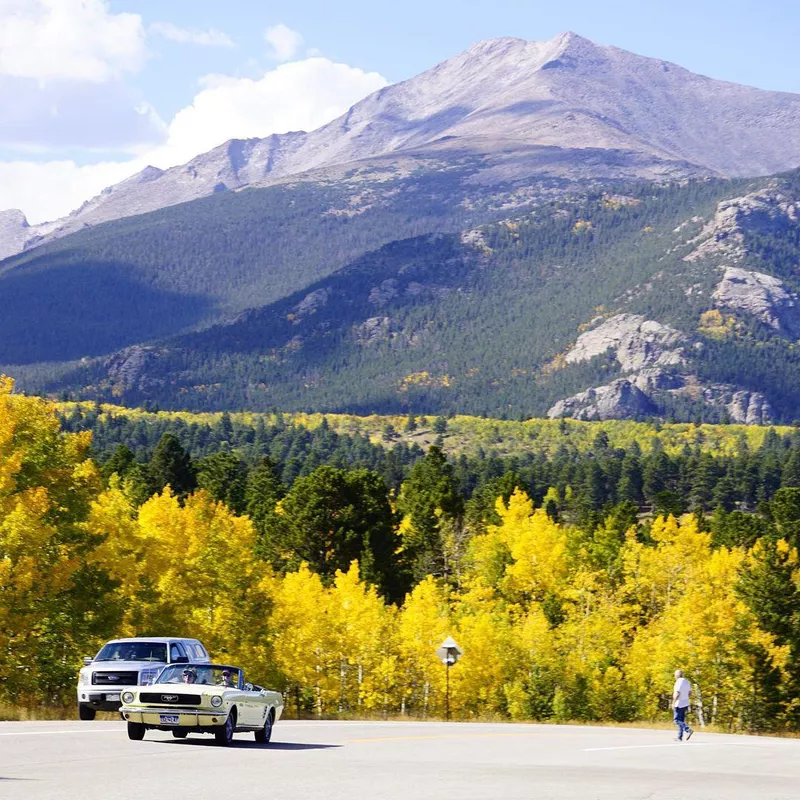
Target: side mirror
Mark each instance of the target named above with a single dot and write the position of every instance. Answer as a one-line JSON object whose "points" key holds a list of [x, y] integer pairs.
{"points": [[181, 660], [87, 660]]}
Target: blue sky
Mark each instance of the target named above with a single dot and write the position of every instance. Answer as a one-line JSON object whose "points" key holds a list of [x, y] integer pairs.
{"points": [[92, 90], [744, 41]]}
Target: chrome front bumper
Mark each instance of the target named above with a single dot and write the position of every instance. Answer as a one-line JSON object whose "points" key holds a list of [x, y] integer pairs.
{"points": [[187, 718]]}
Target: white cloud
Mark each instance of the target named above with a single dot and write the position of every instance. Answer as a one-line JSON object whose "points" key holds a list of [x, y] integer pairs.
{"points": [[301, 95], [51, 189], [208, 38], [283, 41], [68, 39]]}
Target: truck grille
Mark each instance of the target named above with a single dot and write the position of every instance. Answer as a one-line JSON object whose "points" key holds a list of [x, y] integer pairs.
{"points": [[170, 699], [115, 678]]}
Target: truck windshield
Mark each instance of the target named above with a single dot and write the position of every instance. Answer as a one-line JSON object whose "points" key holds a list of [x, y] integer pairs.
{"points": [[133, 651]]}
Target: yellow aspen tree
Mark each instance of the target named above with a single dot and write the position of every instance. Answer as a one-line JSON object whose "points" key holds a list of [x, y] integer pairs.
{"points": [[656, 577], [423, 625], [483, 630], [525, 555], [705, 631], [304, 638], [364, 642], [205, 587], [46, 485]]}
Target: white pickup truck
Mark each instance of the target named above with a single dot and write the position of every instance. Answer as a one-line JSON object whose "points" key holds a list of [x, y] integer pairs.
{"points": [[126, 663]]}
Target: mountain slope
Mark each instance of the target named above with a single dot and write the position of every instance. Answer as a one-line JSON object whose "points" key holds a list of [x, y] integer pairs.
{"points": [[137, 279], [511, 100], [678, 302]]}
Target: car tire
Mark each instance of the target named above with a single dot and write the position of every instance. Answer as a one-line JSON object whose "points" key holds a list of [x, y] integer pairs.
{"points": [[86, 713], [136, 731], [224, 733], [179, 733], [265, 734]]}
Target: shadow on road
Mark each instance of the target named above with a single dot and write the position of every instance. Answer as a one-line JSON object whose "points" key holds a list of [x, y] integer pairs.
{"points": [[240, 745]]}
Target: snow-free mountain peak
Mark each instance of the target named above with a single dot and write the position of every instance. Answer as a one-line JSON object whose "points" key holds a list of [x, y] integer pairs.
{"points": [[566, 107]]}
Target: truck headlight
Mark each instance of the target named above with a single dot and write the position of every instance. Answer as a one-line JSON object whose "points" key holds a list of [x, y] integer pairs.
{"points": [[84, 678], [216, 701], [127, 697]]}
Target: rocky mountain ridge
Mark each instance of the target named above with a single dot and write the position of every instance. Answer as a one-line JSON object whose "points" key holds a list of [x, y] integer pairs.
{"points": [[566, 107]]}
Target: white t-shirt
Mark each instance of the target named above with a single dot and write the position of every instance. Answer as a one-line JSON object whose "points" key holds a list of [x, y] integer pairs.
{"points": [[682, 689]]}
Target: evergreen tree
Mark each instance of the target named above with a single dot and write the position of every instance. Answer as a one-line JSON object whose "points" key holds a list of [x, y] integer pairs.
{"points": [[224, 477], [172, 466]]}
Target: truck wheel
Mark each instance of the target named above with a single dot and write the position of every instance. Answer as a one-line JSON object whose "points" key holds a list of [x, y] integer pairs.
{"points": [[136, 731], [86, 713]]}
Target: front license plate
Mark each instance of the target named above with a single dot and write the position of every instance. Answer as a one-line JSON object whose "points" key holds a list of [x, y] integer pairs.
{"points": [[170, 719], [112, 698]]}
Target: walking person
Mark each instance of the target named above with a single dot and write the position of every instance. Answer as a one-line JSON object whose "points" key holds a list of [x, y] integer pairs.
{"points": [[680, 705]]}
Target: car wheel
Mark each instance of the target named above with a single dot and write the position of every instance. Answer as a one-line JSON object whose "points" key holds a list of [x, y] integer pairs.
{"points": [[224, 734], [136, 731], [178, 733], [86, 713], [265, 734]]}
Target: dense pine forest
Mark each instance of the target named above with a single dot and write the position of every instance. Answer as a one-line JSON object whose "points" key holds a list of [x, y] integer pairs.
{"points": [[576, 569]]}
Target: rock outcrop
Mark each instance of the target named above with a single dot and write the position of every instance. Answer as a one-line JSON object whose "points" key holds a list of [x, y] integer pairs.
{"points": [[631, 399], [311, 303], [763, 296], [620, 399], [634, 341], [767, 211], [15, 233], [127, 369], [742, 406]]}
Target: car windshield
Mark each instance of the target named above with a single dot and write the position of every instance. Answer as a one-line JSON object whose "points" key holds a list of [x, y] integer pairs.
{"points": [[133, 651], [201, 674]]}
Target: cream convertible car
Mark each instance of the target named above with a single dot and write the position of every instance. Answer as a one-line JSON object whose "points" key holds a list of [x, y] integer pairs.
{"points": [[201, 698]]}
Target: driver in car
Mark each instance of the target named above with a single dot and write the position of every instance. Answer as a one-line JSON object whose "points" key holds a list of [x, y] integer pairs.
{"points": [[189, 675]]}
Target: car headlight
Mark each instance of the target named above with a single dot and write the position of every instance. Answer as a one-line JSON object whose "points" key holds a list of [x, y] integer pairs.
{"points": [[127, 697], [216, 701], [148, 676]]}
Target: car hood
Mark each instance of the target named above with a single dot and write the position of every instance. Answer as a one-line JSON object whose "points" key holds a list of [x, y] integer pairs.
{"points": [[125, 666]]}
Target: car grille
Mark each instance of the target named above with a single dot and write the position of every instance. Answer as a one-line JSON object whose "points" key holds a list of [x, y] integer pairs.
{"points": [[115, 678], [170, 699]]}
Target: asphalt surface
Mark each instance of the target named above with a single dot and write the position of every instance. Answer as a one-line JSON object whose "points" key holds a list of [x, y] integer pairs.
{"points": [[393, 760]]}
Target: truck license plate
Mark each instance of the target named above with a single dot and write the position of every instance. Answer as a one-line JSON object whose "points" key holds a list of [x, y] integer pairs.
{"points": [[112, 698], [170, 719]]}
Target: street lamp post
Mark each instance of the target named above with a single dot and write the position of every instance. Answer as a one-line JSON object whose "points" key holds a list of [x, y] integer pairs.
{"points": [[448, 652]]}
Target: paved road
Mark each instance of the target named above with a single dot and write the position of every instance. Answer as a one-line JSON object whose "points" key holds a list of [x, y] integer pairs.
{"points": [[389, 761]]}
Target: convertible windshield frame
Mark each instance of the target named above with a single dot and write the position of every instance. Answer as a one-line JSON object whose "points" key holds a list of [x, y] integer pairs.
{"points": [[207, 675]]}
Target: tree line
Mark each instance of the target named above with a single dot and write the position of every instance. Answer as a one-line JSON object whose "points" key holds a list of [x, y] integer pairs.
{"points": [[571, 602]]}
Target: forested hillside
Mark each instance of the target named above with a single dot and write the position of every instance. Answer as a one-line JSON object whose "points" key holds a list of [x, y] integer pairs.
{"points": [[677, 301], [575, 578], [441, 322], [145, 277]]}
